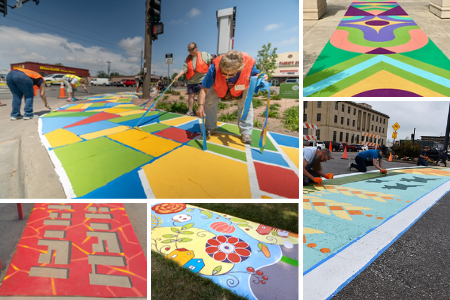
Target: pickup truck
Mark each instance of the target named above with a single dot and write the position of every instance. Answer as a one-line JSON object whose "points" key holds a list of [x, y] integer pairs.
{"points": [[433, 154], [126, 82], [350, 148]]}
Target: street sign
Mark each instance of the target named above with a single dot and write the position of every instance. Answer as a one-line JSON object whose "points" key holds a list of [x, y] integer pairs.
{"points": [[169, 59], [18, 3], [394, 135], [396, 126]]}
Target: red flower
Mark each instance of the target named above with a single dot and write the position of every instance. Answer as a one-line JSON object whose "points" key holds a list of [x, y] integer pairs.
{"points": [[168, 208], [228, 249]]}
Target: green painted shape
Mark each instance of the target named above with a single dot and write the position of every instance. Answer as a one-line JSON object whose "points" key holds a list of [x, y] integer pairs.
{"points": [[154, 127], [132, 117], [330, 56], [335, 69], [353, 18], [288, 91], [97, 104], [164, 115], [289, 260], [124, 100], [406, 18], [356, 36], [69, 114], [256, 134], [92, 164], [230, 152], [430, 54], [229, 128]]}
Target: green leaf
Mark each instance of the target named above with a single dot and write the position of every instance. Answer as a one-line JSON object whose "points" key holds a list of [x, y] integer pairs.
{"points": [[184, 240], [216, 270], [237, 220], [175, 230], [169, 235], [244, 225], [190, 209], [187, 226], [187, 232], [207, 213], [167, 241]]}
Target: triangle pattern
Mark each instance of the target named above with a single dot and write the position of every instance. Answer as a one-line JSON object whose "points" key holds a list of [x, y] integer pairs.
{"points": [[102, 116]]}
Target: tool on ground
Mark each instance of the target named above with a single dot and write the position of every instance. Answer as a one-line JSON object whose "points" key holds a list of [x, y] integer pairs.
{"points": [[204, 134], [154, 104], [383, 171]]}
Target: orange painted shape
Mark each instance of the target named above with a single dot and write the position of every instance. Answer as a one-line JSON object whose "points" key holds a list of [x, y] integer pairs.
{"points": [[304, 239], [354, 212], [371, 195], [380, 218], [336, 208], [356, 192], [325, 250], [386, 198], [319, 204], [369, 216], [311, 245], [305, 200]]}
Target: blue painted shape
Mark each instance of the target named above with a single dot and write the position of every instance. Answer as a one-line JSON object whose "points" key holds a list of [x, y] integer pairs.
{"points": [[127, 186], [91, 127], [50, 124], [195, 265], [269, 157], [285, 140], [192, 126], [144, 121]]}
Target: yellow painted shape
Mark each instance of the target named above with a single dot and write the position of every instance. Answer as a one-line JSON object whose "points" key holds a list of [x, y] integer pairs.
{"points": [[131, 105], [145, 142], [307, 230], [307, 205], [379, 199], [104, 132], [61, 137], [86, 105], [191, 173], [116, 110], [293, 154], [78, 106], [342, 214], [361, 196], [358, 208], [377, 28], [131, 112], [224, 139], [322, 209], [100, 109], [178, 121], [265, 197], [385, 80]]}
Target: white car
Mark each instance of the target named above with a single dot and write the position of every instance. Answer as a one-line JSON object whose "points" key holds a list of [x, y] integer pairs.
{"points": [[320, 145], [53, 79], [364, 148]]}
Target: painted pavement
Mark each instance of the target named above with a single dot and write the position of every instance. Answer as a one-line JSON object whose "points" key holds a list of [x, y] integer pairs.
{"points": [[351, 220], [86, 250], [251, 259], [378, 51], [99, 153]]}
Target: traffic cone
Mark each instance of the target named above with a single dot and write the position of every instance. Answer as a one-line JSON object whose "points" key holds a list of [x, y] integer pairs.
{"points": [[345, 154], [331, 148], [2, 104], [62, 92], [390, 157]]}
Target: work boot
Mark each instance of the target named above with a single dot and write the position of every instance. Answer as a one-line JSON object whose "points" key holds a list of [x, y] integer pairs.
{"points": [[190, 114], [209, 132], [246, 138], [16, 118], [30, 117], [349, 167]]}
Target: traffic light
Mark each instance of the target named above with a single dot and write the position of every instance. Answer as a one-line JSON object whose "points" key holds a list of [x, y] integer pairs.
{"points": [[155, 29], [154, 12], [3, 7]]}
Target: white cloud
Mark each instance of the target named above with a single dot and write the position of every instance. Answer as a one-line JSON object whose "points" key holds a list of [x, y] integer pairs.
{"points": [[194, 12], [271, 27], [176, 21], [293, 40], [18, 46]]}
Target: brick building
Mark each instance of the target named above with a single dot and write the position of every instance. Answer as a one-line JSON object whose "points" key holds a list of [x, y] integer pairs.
{"points": [[46, 69]]}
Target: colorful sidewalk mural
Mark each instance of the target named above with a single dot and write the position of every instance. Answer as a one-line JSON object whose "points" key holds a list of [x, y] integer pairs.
{"points": [[99, 153], [351, 220], [252, 260], [78, 249], [378, 51]]}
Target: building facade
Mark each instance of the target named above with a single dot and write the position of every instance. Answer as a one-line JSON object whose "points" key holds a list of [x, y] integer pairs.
{"points": [[345, 122], [46, 69], [288, 65]]}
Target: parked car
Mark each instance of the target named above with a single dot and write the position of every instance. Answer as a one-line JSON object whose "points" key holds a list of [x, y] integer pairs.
{"points": [[291, 81], [53, 79], [320, 145], [126, 82], [100, 81], [434, 154], [350, 148], [357, 147], [334, 145]]}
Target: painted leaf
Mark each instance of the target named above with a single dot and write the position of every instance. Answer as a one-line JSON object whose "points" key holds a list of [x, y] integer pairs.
{"points": [[187, 226], [237, 220], [264, 249], [216, 270], [244, 225], [184, 240], [207, 213], [175, 230], [187, 232], [156, 222], [190, 209], [169, 235], [167, 241]]}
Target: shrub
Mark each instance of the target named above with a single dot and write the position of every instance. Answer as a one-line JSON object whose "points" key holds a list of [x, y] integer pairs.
{"points": [[181, 97], [166, 97], [272, 114], [179, 107], [257, 103], [229, 117], [407, 149], [263, 93], [163, 105], [222, 105], [275, 97], [275, 106], [257, 123], [291, 118]]}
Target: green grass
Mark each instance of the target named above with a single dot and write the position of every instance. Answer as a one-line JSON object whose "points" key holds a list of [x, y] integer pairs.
{"points": [[257, 123], [257, 103], [222, 105], [166, 97], [275, 97], [274, 114], [291, 118], [181, 97], [275, 106], [228, 117], [179, 107], [163, 105], [168, 278]]}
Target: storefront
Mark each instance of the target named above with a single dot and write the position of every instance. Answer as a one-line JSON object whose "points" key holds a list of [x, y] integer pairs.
{"points": [[46, 69], [287, 64]]}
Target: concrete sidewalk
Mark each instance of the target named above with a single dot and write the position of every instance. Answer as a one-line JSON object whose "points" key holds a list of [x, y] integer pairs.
{"points": [[316, 33], [27, 171]]}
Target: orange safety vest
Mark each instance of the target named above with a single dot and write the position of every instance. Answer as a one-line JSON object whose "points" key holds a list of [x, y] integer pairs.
{"points": [[29, 73], [200, 67], [220, 84]]}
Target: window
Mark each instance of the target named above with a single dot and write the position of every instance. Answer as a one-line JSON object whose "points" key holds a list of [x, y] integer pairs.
{"points": [[334, 135], [319, 117], [346, 137], [357, 139], [354, 111], [371, 129], [336, 106], [377, 118], [353, 138], [305, 104], [335, 118], [379, 129], [318, 134], [319, 104], [305, 117], [373, 117], [353, 123], [376, 128], [348, 122], [383, 130], [343, 108], [342, 120], [349, 109], [382, 142], [384, 121], [341, 135]]}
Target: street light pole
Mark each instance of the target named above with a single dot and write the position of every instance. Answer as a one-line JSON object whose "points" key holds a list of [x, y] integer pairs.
{"points": [[447, 131], [147, 57]]}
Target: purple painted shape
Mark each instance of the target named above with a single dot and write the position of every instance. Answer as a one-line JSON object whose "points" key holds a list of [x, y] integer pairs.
{"points": [[380, 51], [353, 11], [377, 23], [387, 93], [386, 34], [396, 11]]}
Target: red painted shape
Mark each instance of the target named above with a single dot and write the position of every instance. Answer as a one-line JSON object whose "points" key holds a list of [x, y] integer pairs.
{"points": [[18, 282], [95, 118], [278, 181], [177, 134], [20, 211]]}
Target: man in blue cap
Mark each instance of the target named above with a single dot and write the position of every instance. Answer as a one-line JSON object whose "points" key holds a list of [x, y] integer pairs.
{"points": [[369, 158]]}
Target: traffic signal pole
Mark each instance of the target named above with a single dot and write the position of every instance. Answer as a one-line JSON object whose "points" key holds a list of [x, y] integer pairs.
{"points": [[147, 57], [447, 130]]}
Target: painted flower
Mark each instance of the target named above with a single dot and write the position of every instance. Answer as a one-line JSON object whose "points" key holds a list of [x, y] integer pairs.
{"points": [[228, 249], [168, 208], [222, 227]]}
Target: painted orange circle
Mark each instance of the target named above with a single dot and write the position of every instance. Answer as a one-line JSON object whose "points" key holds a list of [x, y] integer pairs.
{"points": [[311, 245], [325, 250]]}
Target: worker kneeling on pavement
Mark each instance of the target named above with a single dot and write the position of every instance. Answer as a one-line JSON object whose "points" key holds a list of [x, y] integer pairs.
{"points": [[312, 168], [368, 158]]}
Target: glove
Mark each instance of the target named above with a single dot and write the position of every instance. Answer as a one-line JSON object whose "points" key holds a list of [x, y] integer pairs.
{"points": [[329, 176], [383, 171], [318, 180]]}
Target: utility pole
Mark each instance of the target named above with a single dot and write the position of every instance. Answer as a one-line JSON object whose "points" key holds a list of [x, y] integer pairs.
{"points": [[147, 56], [109, 67], [142, 54], [447, 131]]}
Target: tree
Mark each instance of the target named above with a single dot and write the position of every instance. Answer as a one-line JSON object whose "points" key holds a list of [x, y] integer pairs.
{"points": [[102, 74], [59, 64], [266, 60], [182, 77], [115, 74]]}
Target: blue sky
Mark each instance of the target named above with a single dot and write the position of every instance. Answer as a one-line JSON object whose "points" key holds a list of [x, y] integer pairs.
{"points": [[86, 34]]}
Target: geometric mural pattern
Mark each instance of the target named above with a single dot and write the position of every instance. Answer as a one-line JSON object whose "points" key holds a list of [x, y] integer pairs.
{"points": [[99, 153], [378, 50]]}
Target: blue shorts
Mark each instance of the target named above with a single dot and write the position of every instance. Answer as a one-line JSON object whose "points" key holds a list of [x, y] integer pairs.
{"points": [[194, 88]]}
